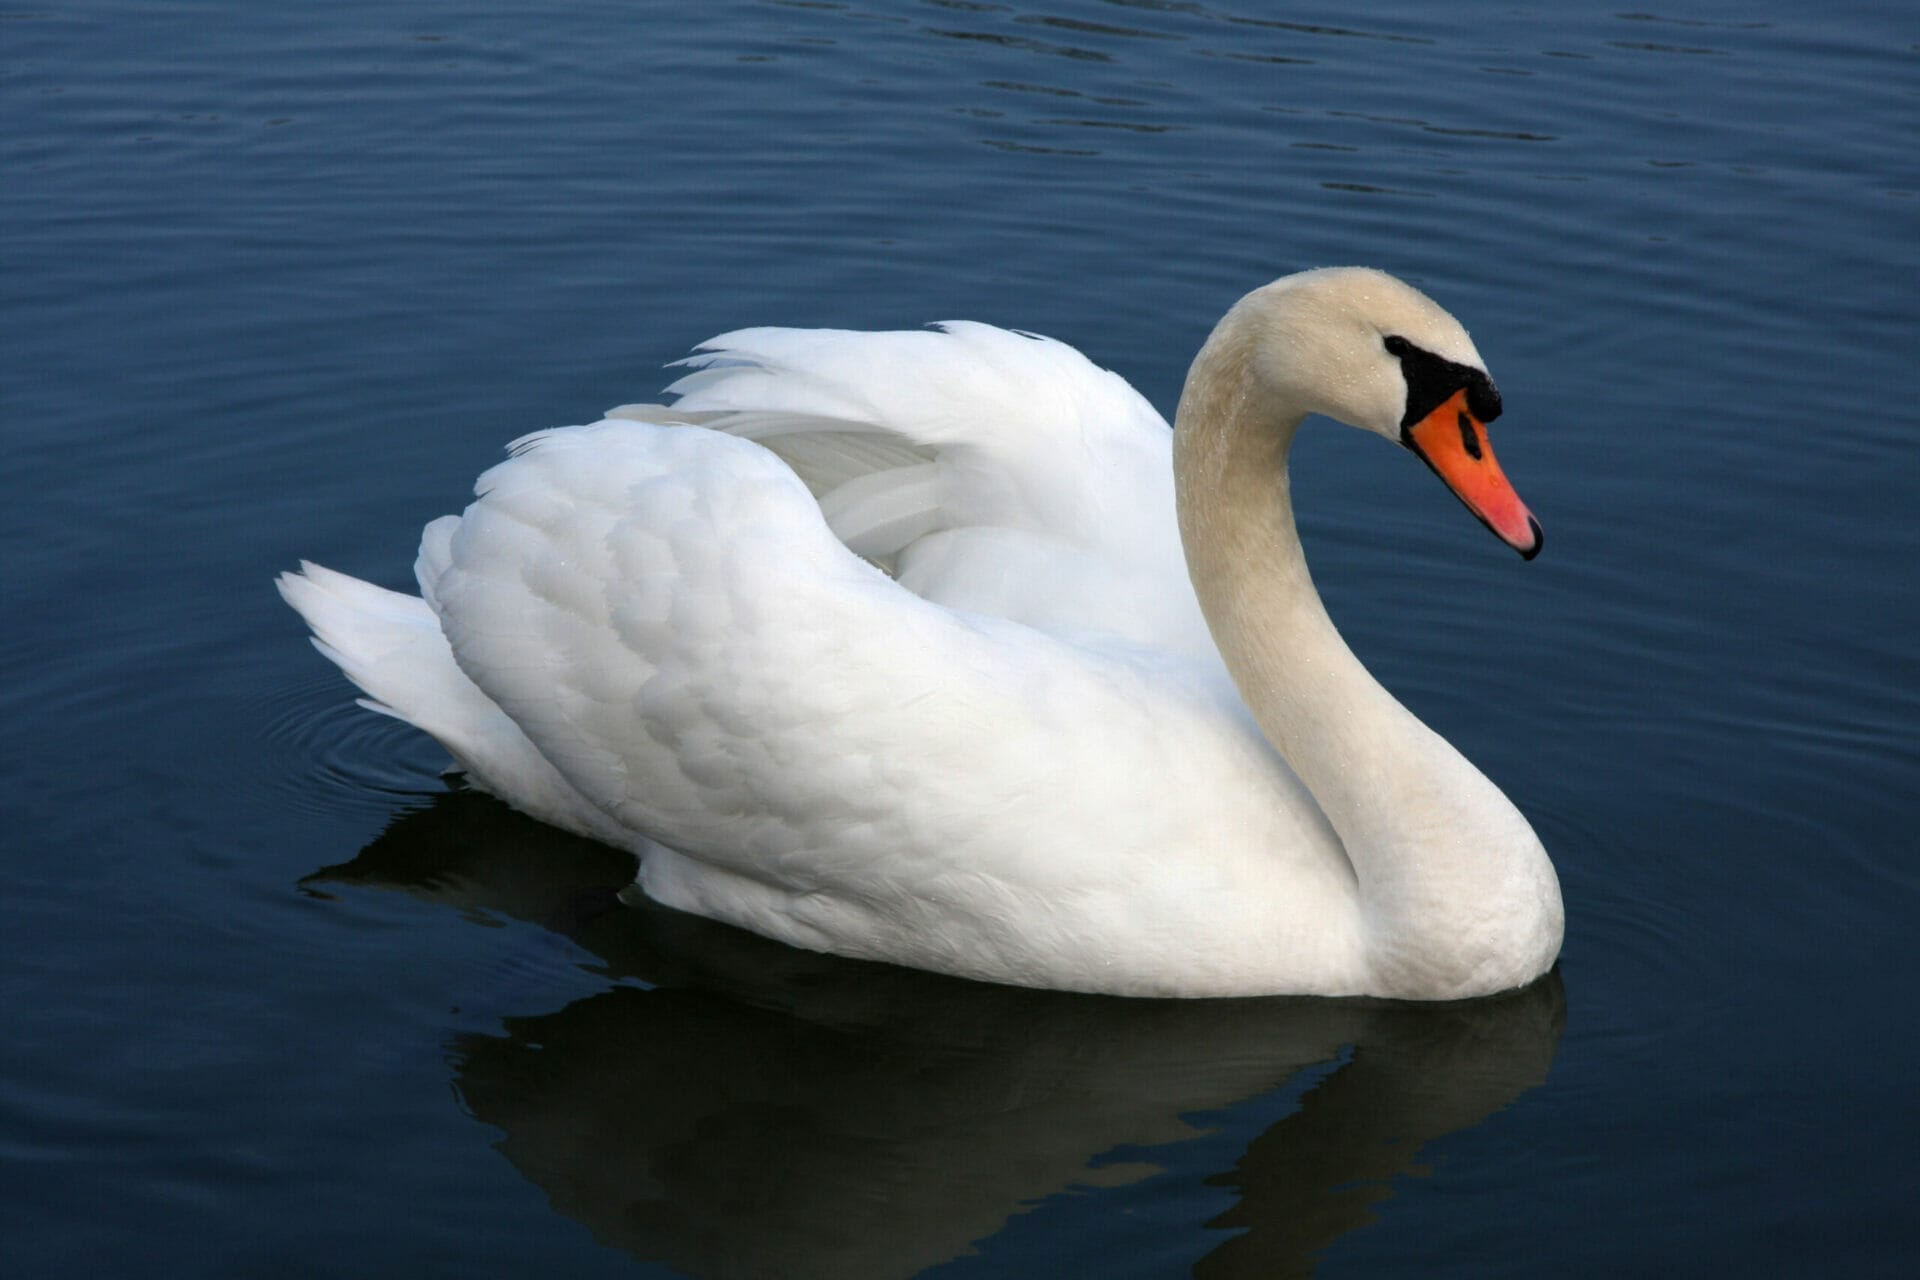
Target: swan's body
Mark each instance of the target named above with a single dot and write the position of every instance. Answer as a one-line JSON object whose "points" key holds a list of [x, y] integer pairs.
{"points": [[894, 653]]}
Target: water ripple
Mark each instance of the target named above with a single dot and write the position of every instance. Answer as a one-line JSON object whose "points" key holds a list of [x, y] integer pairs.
{"points": [[329, 753]]}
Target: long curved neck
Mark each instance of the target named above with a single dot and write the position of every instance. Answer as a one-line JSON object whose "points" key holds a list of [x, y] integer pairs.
{"points": [[1434, 846], [1347, 738]]}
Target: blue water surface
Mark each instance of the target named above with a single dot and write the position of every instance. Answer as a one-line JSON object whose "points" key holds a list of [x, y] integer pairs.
{"points": [[277, 281]]}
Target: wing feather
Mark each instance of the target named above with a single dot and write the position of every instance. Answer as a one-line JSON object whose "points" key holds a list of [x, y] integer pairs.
{"points": [[989, 470], [667, 616]]}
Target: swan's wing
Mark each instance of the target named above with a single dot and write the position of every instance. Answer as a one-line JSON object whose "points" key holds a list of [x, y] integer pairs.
{"points": [[667, 617], [991, 471]]}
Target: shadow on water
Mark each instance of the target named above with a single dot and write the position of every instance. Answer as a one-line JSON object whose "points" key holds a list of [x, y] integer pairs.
{"points": [[733, 1107]]}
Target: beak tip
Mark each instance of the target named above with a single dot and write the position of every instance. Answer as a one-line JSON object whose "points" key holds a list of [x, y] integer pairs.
{"points": [[1539, 540]]}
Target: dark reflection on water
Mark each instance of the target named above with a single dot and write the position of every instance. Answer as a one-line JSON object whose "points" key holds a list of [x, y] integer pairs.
{"points": [[734, 1107]]}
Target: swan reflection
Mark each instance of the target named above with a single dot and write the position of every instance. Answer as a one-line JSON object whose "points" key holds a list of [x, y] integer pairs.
{"points": [[754, 1110]]}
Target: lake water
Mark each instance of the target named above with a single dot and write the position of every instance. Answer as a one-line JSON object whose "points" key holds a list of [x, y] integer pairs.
{"points": [[278, 281]]}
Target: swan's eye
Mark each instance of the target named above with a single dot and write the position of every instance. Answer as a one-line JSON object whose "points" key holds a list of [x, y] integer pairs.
{"points": [[1432, 379]]}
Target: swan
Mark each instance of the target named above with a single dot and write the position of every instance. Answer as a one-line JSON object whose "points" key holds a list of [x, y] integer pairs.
{"points": [[940, 648]]}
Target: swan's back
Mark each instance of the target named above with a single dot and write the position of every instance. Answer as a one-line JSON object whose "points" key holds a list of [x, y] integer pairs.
{"points": [[990, 471]]}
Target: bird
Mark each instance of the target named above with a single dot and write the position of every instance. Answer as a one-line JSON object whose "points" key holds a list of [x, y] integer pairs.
{"points": [[941, 648]]}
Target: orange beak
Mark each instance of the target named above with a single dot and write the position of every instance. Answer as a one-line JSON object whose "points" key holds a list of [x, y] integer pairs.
{"points": [[1454, 443]]}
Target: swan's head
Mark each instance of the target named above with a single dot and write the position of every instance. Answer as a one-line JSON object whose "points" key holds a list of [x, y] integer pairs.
{"points": [[1374, 352]]}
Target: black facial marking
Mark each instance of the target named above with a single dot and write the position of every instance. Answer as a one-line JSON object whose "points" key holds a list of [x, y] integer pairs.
{"points": [[1469, 438], [1431, 379]]}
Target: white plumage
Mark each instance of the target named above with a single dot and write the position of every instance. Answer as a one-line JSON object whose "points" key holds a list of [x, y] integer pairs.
{"points": [[884, 644]]}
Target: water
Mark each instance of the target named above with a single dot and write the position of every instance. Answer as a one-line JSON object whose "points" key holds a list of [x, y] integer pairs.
{"points": [[279, 283]]}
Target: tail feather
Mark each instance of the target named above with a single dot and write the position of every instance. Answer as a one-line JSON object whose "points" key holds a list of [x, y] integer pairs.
{"points": [[391, 646], [388, 644]]}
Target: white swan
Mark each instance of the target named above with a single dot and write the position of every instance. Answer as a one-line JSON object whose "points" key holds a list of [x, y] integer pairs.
{"points": [[894, 652]]}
